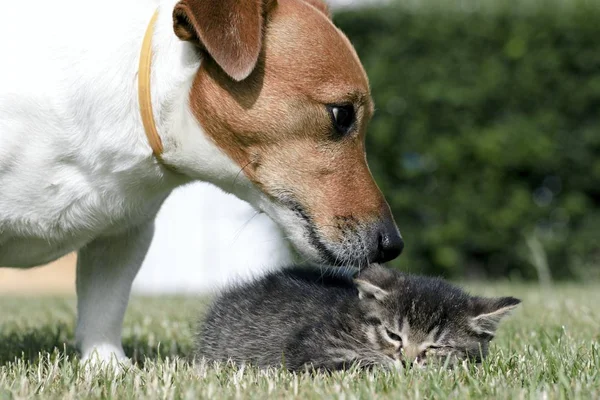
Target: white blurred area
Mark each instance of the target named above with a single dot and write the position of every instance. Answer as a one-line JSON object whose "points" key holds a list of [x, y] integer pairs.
{"points": [[205, 238]]}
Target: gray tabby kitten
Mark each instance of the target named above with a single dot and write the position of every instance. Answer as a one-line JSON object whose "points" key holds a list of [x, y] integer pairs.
{"points": [[328, 319]]}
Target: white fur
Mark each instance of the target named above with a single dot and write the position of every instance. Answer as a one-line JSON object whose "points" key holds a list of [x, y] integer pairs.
{"points": [[76, 170]]}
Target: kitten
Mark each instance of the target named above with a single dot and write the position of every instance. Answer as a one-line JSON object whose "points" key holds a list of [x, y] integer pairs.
{"points": [[328, 319]]}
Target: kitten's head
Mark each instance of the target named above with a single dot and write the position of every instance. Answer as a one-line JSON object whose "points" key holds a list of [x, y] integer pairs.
{"points": [[420, 319]]}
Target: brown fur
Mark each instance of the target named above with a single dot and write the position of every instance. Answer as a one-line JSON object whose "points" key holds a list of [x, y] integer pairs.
{"points": [[276, 126], [229, 30]]}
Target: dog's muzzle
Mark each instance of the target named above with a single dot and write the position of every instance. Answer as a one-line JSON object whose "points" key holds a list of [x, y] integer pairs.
{"points": [[387, 242], [356, 243]]}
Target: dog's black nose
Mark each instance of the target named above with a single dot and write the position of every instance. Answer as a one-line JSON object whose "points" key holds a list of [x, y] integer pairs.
{"points": [[389, 242]]}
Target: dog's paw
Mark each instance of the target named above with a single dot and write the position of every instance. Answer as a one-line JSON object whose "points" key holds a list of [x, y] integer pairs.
{"points": [[105, 358]]}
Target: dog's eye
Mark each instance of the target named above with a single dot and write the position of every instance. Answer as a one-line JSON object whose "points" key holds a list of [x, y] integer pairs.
{"points": [[393, 336], [342, 118]]}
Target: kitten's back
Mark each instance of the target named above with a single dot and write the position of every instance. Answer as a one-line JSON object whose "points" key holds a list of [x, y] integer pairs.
{"points": [[247, 322]]}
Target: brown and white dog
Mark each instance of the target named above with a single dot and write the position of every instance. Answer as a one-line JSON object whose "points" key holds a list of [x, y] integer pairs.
{"points": [[264, 98]]}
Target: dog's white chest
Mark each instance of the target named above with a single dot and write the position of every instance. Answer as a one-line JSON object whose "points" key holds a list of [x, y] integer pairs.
{"points": [[66, 214]]}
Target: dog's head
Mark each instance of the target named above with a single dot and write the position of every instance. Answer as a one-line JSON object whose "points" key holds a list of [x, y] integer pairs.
{"points": [[283, 94]]}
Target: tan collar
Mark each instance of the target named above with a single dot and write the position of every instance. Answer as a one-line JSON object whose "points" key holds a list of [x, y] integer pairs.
{"points": [[144, 93]]}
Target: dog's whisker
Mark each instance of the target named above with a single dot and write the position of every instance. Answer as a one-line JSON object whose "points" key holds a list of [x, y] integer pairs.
{"points": [[238, 174], [244, 225]]}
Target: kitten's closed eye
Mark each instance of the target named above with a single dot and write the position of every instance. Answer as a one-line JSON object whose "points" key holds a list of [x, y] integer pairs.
{"points": [[441, 351], [373, 321], [439, 348], [393, 336]]}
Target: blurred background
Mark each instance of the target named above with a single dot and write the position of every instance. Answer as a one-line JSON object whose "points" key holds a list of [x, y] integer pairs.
{"points": [[486, 142]]}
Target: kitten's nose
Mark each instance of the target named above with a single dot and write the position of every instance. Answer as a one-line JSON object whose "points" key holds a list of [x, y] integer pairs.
{"points": [[389, 241], [415, 363], [411, 356]]}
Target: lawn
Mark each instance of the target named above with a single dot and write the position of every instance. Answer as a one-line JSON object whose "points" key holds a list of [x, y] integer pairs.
{"points": [[548, 349]]}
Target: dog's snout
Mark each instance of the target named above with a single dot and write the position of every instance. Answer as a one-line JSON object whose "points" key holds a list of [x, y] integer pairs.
{"points": [[389, 242]]}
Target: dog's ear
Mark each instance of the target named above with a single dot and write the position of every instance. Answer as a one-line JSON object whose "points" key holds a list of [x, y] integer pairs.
{"points": [[321, 6], [229, 30]]}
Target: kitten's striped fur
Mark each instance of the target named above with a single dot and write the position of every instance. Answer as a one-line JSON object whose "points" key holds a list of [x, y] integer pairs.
{"points": [[329, 319]]}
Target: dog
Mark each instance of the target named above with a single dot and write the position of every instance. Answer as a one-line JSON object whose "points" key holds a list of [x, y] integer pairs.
{"points": [[106, 107]]}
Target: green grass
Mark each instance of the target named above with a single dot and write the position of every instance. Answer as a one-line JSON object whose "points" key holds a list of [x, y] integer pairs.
{"points": [[548, 349]]}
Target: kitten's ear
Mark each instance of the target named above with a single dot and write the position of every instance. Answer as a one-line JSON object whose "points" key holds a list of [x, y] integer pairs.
{"points": [[373, 281], [367, 290], [489, 313]]}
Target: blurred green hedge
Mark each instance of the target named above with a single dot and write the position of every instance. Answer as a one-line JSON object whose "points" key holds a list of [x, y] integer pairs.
{"points": [[486, 138]]}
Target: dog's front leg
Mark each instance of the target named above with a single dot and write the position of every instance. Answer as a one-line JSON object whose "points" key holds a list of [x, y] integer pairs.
{"points": [[106, 268]]}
